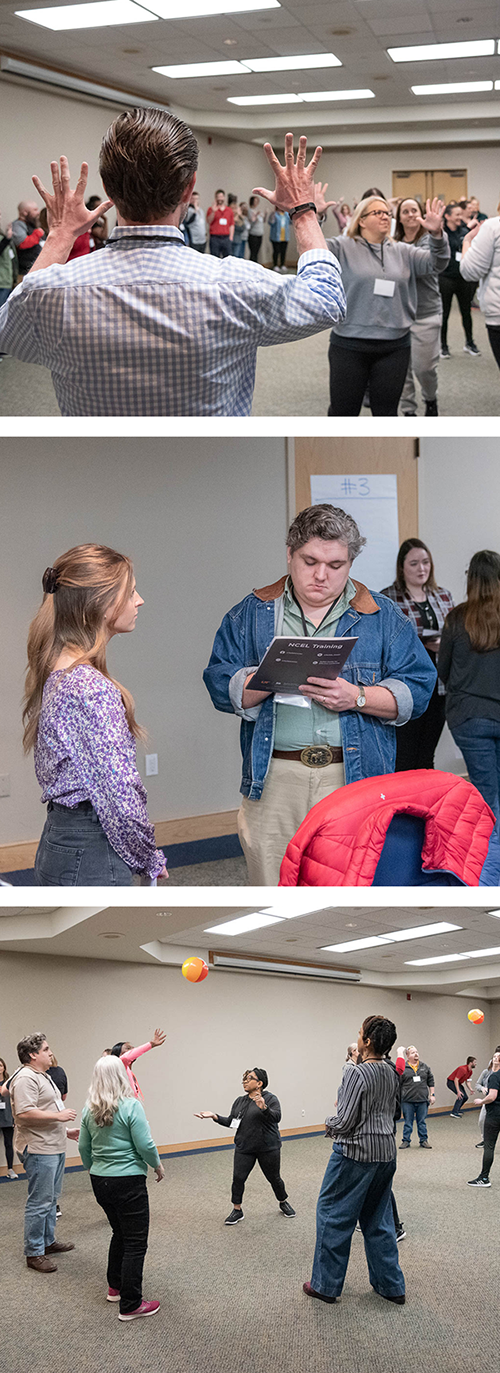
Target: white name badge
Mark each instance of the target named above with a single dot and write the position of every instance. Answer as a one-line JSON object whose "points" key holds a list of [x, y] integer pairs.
{"points": [[60, 1105], [2, 1106], [11, 253], [417, 1079], [222, 221], [234, 1124], [381, 287], [458, 257]]}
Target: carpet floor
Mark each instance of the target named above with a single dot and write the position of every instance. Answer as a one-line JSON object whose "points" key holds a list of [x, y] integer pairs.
{"points": [[292, 379], [232, 1298]]}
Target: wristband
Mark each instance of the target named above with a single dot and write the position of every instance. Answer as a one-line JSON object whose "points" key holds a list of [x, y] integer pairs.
{"points": [[302, 209]]}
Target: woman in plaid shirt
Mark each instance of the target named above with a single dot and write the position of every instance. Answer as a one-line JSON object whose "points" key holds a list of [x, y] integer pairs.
{"points": [[427, 606]]}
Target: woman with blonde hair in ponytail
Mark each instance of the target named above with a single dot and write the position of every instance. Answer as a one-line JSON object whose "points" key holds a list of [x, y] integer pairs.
{"points": [[82, 727]]}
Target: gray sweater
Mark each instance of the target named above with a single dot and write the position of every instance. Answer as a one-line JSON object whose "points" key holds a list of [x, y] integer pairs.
{"points": [[371, 316]]}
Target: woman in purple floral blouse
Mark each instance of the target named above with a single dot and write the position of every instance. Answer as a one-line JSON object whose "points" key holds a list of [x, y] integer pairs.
{"points": [[82, 727]]}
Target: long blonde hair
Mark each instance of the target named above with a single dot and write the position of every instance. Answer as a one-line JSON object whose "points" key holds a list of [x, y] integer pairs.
{"points": [[353, 230], [78, 591], [109, 1084]]}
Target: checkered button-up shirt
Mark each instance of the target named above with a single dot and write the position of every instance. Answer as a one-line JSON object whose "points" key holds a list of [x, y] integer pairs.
{"points": [[155, 328], [441, 602]]}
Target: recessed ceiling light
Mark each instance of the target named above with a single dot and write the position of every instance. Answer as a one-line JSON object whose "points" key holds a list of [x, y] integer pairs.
{"points": [[97, 14], [110, 934], [453, 88], [189, 69], [291, 64], [230, 42], [193, 9], [338, 95], [432, 52], [243, 924]]}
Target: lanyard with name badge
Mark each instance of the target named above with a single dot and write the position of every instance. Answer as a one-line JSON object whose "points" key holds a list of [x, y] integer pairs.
{"points": [[381, 286], [303, 618]]}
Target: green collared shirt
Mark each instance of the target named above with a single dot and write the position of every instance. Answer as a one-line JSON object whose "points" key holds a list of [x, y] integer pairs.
{"points": [[297, 727]]}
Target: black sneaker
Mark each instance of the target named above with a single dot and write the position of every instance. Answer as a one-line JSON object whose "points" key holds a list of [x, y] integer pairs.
{"points": [[58, 1211], [287, 1209], [431, 407], [480, 1145], [473, 349], [234, 1217], [400, 1233], [409, 414], [454, 1116], [445, 352], [479, 1182]]}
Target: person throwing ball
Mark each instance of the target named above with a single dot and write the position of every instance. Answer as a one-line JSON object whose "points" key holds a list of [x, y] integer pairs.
{"points": [[255, 1119]]}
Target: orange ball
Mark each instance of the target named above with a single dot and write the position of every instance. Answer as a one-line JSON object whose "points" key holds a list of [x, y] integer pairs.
{"points": [[476, 1017], [194, 969]]}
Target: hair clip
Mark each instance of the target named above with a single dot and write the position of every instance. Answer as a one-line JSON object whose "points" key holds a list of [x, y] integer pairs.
{"points": [[50, 581]]}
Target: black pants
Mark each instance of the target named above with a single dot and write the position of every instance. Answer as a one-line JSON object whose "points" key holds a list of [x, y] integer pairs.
{"points": [[254, 244], [461, 1097], [416, 742], [494, 337], [199, 247], [125, 1202], [491, 1132], [279, 253], [395, 1212], [7, 1132], [380, 366], [220, 245], [450, 287], [269, 1162]]}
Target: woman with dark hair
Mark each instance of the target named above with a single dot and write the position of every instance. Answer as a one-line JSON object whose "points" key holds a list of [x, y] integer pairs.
{"points": [[426, 327], [7, 1123], [426, 605], [127, 1054], [469, 665], [358, 1180], [81, 724], [255, 1118]]}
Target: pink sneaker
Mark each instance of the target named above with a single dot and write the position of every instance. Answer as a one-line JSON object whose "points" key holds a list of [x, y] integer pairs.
{"points": [[113, 1294], [146, 1308]]}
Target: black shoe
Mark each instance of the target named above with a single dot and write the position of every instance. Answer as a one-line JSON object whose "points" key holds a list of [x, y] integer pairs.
{"points": [[398, 1298], [480, 1145], [445, 352], [309, 1291], [287, 1209], [234, 1217], [431, 407], [454, 1116], [400, 1233], [473, 349], [409, 414], [479, 1182]]}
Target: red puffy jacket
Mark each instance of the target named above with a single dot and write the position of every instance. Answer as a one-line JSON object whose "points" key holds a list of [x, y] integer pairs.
{"points": [[341, 839]]}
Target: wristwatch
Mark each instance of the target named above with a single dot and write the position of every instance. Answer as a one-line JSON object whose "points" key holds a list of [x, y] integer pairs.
{"points": [[361, 698]]}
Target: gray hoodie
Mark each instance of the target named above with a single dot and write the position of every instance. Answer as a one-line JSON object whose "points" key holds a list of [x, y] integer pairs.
{"points": [[482, 262], [383, 317]]}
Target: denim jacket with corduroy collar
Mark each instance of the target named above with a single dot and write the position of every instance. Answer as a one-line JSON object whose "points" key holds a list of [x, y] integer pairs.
{"points": [[387, 653]]}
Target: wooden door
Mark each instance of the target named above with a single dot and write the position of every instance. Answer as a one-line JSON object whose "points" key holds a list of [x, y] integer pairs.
{"points": [[361, 456], [448, 185], [414, 184]]}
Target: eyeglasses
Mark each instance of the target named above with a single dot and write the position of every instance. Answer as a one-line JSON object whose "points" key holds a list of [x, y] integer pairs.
{"points": [[379, 214]]}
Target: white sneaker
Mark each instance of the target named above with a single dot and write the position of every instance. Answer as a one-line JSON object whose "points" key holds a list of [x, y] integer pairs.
{"points": [[12, 1176]]}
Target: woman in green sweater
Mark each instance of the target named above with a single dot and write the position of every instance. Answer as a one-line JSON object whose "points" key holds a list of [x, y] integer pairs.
{"points": [[116, 1146]]}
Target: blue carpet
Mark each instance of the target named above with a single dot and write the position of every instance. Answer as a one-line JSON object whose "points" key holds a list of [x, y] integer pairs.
{"points": [[177, 855]]}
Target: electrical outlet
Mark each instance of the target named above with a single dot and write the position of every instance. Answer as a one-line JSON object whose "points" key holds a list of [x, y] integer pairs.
{"points": [[302, 1113], [151, 765], [5, 784]]}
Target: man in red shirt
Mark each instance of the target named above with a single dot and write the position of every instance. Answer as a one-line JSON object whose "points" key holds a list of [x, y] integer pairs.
{"points": [[220, 220], [458, 1082]]}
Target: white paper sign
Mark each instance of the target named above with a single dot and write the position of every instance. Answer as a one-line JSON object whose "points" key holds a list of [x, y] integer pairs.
{"points": [[372, 500]]}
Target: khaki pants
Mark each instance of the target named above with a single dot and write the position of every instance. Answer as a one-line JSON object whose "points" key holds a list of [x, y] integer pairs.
{"points": [[265, 827], [425, 346]]}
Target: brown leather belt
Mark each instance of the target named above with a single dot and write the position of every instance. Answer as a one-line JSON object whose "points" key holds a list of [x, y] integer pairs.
{"points": [[314, 756]]}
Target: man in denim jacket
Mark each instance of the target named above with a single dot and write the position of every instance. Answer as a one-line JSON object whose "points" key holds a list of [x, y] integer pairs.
{"points": [[292, 756]]}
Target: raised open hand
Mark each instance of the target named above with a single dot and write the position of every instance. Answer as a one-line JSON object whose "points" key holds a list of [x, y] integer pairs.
{"points": [[466, 242], [294, 183], [433, 218], [319, 197], [158, 1039], [66, 209]]}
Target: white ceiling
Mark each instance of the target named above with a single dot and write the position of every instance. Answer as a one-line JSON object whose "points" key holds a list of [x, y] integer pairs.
{"points": [[85, 933], [357, 31]]}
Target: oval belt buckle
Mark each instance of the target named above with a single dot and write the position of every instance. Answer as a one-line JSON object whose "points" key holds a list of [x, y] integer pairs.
{"points": [[316, 756]]}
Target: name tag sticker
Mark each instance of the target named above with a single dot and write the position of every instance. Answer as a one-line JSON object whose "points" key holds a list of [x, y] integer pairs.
{"points": [[11, 253], [458, 257], [417, 1079], [382, 287], [59, 1105], [2, 1106], [222, 221], [234, 1124]]}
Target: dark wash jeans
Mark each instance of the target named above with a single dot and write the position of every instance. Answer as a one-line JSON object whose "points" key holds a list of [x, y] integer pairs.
{"points": [[126, 1204], [461, 1097], [74, 851], [479, 741], [353, 1191], [414, 1110], [269, 1163]]}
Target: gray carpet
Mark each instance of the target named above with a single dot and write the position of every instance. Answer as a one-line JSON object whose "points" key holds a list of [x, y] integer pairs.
{"points": [[292, 379], [224, 872], [232, 1299]]}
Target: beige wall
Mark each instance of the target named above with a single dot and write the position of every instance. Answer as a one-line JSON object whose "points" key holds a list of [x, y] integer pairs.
{"points": [[204, 521], [350, 173], [295, 1029]]}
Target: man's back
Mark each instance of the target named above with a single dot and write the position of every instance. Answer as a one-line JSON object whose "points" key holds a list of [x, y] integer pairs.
{"points": [[161, 329]]}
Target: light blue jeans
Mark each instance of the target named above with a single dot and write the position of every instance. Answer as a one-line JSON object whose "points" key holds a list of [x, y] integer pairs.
{"points": [[45, 1175]]}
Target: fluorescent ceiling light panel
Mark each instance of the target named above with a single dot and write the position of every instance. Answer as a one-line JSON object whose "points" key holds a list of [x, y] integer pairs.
{"points": [[243, 924], [291, 64], [396, 937], [92, 16], [353, 944], [338, 95], [453, 88], [264, 99], [495, 913], [482, 953], [194, 9], [423, 962], [432, 52], [189, 69]]}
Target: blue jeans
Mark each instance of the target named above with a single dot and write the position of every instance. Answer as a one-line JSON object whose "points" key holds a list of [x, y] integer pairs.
{"points": [[5, 293], [75, 852], [353, 1191], [45, 1175], [461, 1097], [479, 741], [239, 248], [414, 1110]]}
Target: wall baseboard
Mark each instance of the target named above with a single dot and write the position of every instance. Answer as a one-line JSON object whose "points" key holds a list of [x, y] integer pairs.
{"points": [[16, 857]]}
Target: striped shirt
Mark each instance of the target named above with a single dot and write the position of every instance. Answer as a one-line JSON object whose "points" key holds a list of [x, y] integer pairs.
{"points": [[155, 328], [367, 1106]]}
